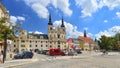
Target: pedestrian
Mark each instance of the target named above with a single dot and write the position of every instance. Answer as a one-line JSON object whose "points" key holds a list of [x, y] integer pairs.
{"points": [[1, 56]]}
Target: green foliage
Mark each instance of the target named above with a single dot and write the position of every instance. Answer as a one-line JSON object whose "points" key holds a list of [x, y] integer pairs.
{"points": [[4, 28], [108, 43]]}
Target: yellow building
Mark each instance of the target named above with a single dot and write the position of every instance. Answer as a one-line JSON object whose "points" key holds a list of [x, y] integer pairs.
{"points": [[86, 43]]}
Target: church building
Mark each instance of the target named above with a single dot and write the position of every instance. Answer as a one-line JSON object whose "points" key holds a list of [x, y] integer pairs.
{"points": [[56, 38]]}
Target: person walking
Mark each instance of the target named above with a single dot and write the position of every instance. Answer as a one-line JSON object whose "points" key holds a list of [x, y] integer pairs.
{"points": [[1, 56]]}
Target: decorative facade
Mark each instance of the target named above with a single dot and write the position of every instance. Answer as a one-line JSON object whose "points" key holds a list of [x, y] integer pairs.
{"points": [[56, 38]]}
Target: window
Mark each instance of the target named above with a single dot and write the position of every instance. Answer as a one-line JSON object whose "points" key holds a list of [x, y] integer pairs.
{"points": [[41, 45], [14, 41], [50, 28], [14, 45], [46, 41], [36, 45], [50, 46], [22, 41], [36, 41], [41, 41], [58, 46], [30, 41], [46, 45], [30, 45], [58, 42], [58, 36], [22, 45]]}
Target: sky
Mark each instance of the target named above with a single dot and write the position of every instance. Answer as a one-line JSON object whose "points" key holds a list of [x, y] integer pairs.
{"points": [[97, 17]]}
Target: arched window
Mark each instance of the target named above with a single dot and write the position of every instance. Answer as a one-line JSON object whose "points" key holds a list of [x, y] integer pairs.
{"points": [[58, 36]]}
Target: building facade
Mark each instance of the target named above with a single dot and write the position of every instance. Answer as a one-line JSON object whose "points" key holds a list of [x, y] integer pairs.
{"points": [[56, 38], [86, 43]]}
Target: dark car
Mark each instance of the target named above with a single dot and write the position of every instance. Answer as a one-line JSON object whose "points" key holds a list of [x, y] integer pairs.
{"points": [[27, 54], [18, 56], [44, 52], [23, 55], [78, 51]]}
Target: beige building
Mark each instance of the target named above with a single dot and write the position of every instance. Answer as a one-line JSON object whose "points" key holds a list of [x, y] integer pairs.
{"points": [[56, 38]]}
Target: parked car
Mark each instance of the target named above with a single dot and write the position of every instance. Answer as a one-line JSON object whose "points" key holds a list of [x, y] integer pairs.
{"points": [[44, 52], [18, 56], [39, 52], [23, 55], [72, 53], [78, 51], [56, 51]]}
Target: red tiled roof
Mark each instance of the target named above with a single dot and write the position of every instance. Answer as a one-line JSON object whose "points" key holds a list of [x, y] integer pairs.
{"points": [[86, 39], [70, 40]]}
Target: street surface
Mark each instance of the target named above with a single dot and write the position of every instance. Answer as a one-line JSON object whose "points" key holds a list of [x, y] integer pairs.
{"points": [[94, 61]]}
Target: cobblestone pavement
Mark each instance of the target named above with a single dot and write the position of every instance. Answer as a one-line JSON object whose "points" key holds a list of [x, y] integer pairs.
{"points": [[94, 61]]}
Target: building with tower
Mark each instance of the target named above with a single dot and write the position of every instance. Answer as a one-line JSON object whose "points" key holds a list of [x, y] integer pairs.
{"points": [[56, 38], [86, 43]]}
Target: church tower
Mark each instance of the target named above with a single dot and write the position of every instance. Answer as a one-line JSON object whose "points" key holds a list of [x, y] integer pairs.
{"points": [[50, 29], [85, 35], [50, 23]]}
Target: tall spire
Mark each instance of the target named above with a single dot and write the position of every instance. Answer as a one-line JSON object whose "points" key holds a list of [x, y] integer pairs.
{"points": [[62, 25], [85, 33], [50, 20]]}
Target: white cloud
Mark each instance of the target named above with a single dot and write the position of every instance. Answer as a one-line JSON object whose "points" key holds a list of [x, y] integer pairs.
{"points": [[14, 19], [118, 14], [110, 32], [71, 30], [105, 21], [36, 32], [63, 5], [40, 6], [88, 7], [111, 4], [115, 29], [91, 6], [21, 18]]}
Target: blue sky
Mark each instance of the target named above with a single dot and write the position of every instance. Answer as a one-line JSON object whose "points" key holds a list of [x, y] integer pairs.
{"points": [[98, 17]]}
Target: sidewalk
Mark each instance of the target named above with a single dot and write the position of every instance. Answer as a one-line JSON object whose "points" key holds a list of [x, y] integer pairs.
{"points": [[17, 62], [14, 63]]}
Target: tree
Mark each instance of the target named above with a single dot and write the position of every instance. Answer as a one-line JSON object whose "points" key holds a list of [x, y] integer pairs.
{"points": [[4, 28], [5, 33], [106, 43]]}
